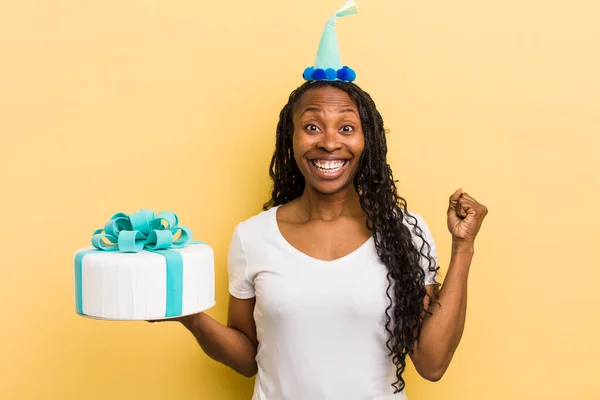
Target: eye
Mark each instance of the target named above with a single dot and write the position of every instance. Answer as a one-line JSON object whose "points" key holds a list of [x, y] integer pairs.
{"points": [[347, 128], [311, 128]]}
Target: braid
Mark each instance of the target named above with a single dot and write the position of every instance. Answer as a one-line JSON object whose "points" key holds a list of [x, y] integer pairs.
{"points": [[385, 211]]}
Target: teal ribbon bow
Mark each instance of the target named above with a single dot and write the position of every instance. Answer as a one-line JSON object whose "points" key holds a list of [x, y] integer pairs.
{"points": [[137, 232], [141, 230]]}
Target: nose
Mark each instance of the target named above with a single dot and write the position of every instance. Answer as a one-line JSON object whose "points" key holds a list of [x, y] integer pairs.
{"points": [[329, 141]]}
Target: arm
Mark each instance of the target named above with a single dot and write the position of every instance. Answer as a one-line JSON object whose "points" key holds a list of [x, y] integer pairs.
{"points": [[444, 323], [443, 328], [233, 345]]}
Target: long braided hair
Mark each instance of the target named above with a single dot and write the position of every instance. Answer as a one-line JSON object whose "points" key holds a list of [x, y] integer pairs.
{"points": [[385, 211]]}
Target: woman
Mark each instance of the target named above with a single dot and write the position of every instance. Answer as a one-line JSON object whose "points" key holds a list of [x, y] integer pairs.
{"points": [[334, 283]]}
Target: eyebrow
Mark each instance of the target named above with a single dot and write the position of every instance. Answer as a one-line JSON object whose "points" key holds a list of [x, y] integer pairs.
{"points": [[345, 110]]}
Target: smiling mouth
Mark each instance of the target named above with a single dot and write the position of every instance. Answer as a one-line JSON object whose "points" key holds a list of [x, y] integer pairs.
{"points": [[329, 166]]}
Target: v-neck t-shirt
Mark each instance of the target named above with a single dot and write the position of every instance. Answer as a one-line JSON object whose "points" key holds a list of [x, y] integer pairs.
{"points": [[320, 324]]}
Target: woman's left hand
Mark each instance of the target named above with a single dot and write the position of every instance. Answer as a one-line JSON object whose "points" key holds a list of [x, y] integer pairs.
{"points": [[465, 216]]}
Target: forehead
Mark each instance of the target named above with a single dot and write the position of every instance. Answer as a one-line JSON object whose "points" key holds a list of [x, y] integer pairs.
{"points": [[326, 97]]}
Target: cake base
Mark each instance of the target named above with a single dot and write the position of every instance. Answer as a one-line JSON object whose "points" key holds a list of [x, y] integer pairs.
{"points": [[149, 285], [148, 320]]}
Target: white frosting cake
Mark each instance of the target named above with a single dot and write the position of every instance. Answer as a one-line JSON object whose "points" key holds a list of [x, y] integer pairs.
{"points": [[144, 285]]}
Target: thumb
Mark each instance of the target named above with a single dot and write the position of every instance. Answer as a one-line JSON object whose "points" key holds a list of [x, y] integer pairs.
{"points": [[454, 199]]}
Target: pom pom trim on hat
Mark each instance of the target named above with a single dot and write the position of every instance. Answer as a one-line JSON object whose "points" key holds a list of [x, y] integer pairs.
{"points": [[345, 74]]}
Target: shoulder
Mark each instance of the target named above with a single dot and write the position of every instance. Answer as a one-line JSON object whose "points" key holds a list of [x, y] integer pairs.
{"points": [[256, 227], [422, 238], [417, 225], [411, 218], [252, 239]]}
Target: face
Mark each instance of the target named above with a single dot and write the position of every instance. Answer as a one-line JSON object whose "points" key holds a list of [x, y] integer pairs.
{"points": [[328, 139]]}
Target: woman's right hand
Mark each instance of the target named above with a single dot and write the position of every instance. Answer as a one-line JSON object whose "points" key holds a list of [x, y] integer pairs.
{"points": [[185, 319]]}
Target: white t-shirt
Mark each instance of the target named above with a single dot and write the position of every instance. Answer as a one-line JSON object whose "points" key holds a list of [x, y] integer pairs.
{"points": [[320, 324]]}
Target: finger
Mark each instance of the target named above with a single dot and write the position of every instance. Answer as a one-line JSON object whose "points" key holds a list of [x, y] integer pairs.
{"points": [[478, 208], [465, 195], [484, 210], [456, 194], [462, 208]]}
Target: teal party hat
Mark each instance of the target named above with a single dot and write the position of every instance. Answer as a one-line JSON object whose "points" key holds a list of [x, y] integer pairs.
{"points": [[328, 65]]}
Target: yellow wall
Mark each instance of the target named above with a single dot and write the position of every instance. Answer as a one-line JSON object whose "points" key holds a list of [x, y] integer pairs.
{"points": [[110, 106]]}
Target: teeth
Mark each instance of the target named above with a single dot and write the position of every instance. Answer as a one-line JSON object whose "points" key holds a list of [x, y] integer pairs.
{"points": [[328, 166]]}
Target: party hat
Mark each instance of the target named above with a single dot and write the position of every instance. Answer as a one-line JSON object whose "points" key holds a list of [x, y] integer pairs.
{"points": [[328, 65]]}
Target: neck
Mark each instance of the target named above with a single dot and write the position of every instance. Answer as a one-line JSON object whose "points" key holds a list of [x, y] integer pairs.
{"points": [[327, 207]]}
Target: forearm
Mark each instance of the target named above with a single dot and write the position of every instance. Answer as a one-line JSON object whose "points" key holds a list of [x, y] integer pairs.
{"points": [[443, 328], [223, 344]]}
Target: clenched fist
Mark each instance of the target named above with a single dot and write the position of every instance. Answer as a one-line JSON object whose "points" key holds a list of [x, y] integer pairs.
{"points": [[465, 216]]}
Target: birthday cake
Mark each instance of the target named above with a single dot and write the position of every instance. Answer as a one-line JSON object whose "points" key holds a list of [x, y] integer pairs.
{"points": [[143, 266]]}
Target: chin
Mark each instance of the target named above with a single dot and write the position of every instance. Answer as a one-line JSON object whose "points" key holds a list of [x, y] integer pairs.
{"points": [[330, 188]]}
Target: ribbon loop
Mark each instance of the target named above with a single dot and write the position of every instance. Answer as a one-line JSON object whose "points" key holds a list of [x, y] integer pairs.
{"points": [[116, 225], [131, 241], [159, 240], [141, 221], [167, 217], [185, 235], [104, 242]]}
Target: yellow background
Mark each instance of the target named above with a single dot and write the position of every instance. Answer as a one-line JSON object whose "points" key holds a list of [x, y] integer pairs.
{"points": [[110, 106]]}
